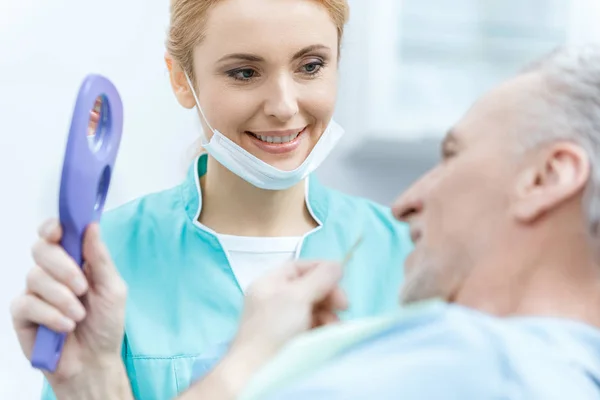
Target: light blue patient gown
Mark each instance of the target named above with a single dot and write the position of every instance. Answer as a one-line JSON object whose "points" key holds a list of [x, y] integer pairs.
{"points": [[454, 353]]}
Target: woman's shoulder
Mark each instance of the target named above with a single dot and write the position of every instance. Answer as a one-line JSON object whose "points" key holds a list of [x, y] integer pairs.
{"points": [[129, 220], [152, 204], [370, 214]]}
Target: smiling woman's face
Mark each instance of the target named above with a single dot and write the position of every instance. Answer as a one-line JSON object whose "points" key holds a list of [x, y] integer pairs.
{"points": [[266, 76]]}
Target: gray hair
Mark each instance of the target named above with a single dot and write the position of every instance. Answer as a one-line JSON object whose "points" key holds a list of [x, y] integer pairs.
{"points": [[572, 75]]}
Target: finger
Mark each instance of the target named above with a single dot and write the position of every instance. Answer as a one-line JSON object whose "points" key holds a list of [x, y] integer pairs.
{"points": [[328, 318], [57, 263], [28, 310], [99, 264], [325, 312], [324, 317], [319, 281], [289, 271], [336, 300], [304, 267], [298, 269], [50, 230], [57, 295]]}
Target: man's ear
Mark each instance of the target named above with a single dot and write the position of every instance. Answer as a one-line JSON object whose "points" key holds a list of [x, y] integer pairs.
{"points": [[179, 83], [556, 174]]}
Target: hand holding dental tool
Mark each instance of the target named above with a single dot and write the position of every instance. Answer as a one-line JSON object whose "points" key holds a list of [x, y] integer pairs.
{"points": [[278, 307], [293, 299]]}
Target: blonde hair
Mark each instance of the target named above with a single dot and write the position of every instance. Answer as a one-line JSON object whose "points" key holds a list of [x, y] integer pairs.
{"points": [[188, 18]]}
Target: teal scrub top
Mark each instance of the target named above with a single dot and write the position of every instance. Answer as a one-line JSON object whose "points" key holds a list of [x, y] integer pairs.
{"points": [[184, 302]]}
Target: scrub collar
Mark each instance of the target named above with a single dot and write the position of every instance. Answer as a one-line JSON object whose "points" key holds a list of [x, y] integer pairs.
{"points": [[316, 195]]}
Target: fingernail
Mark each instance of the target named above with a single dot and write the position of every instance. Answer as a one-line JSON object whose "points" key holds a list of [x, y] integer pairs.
{"points": [[79, 285], [67, 324], [76, 312]]}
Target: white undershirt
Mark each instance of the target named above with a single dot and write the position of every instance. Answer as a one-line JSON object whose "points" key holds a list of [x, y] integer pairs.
{"points": [[252, 257]]}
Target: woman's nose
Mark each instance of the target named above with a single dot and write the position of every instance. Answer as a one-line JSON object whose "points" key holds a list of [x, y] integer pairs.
{"points": [[282, 102]]}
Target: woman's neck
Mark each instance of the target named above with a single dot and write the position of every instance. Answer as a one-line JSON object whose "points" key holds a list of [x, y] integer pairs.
{"points": [[232, 206]]}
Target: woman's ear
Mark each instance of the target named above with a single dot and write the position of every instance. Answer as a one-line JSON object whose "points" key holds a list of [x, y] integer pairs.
{"points": [[556, 175], [179, 83]]}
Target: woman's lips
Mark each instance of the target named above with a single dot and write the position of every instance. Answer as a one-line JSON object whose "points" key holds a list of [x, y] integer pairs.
{"points": [[277, 142]]}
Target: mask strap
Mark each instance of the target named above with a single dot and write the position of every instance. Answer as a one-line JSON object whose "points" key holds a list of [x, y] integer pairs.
{"points": [[197, 101]]}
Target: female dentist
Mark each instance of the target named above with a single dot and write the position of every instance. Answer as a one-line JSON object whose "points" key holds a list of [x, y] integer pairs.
{"points": [[263, 77]]}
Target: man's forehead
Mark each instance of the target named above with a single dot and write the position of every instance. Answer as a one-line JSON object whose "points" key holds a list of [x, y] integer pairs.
{"points": [[510, 108]]}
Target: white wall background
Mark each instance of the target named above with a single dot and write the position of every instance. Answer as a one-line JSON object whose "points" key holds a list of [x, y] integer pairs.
{"points": [[47, 48]]}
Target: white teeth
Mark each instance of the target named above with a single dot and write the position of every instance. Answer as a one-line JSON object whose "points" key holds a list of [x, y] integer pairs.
{"points": [[277, 139]]}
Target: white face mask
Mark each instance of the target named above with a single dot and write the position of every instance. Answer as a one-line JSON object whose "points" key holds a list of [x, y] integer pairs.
{"points": [[257, 172]]}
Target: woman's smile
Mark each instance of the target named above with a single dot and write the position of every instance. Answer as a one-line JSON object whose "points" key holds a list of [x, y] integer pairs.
{"points": [[277, 142]]}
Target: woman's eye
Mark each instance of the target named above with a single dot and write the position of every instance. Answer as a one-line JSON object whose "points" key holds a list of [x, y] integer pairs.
{"points": [[312, 68], [242, 74]]}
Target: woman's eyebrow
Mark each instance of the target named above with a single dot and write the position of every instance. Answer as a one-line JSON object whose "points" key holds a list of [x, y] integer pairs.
{"points": [[309, 49], [241, 56], [254, 58]]}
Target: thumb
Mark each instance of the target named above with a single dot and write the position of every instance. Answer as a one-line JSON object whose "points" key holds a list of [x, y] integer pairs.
{"points": [[50, 231], [319, 281], [101, 269]]}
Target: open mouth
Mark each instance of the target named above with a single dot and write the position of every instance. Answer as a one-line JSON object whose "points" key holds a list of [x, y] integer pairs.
{"points": [[277, 139]]}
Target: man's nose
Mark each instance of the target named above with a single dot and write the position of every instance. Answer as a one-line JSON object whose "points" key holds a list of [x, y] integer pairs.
{"points": [[410, 203], [282, 101]]}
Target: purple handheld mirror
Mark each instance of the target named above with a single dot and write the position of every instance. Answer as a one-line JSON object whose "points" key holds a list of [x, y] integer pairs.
{"points": [[90, 155]]}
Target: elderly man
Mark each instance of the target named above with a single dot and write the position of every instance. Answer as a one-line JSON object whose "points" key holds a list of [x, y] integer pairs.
{"points": [[502, 291]]}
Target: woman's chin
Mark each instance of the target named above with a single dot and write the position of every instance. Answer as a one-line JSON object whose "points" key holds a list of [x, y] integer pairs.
{"points": [[285, 161], [286, 165]]}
